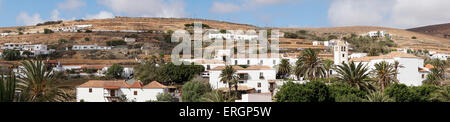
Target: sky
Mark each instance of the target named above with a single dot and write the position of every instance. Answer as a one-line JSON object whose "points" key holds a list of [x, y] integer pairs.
{"points": [[265, 13]]}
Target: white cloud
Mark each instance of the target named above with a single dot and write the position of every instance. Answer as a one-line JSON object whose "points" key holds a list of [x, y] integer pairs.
{"points": [[228, 7], [392, 13], [71, 4], [147, 8], [55, 15], [101, 15], [25, 19]]}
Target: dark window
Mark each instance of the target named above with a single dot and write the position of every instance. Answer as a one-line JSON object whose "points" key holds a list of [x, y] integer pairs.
{"points": [[135, 93], [235, 62], [423, 76], [208, 67], [259, 85], [248, 62], [343, 55], [90, 90]]}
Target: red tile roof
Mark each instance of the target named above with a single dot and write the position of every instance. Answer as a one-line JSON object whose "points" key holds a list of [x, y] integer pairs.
{"points": [[248, 68], [106, 84], [155, 84]]}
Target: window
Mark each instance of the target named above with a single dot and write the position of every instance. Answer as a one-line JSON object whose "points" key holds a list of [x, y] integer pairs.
{"points": [[248, 62], [274, 62], [235, 62], [135, 93], [258, 91], [261, 75], [259, 85], [208, 67], [90, 90], [423, 76], [343, 55]]}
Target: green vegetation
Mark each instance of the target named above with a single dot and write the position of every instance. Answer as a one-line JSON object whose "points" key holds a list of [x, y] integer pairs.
{"points": [[49, 23], [8, 87], [11, 55], [193, 91], [309, 65], [192, 26], [229, 76], [115, 71], [116, 43], [39, 84], [165, 97], [372, 46], [284, 69], [47, 31], [168, 73], [314, 91]]}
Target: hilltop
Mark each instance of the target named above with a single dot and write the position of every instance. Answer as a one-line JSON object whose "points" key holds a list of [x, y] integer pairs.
{"points": [[440, 30]]}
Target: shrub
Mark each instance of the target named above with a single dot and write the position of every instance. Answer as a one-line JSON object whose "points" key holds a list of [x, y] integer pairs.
{"points": [[194, 90], [313, 91], [116, 43], [47, 31]]}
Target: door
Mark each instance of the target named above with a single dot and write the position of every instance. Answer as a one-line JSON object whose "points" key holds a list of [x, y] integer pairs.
{"points": [[112, 93]]}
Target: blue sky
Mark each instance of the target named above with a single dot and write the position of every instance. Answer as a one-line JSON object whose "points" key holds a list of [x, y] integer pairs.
{"points": [[267, 13]]}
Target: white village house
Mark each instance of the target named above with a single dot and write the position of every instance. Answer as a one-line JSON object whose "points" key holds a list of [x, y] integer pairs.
{"points": [[36, 49], [411, 71], [377, 34], [440, 56], [113, 91], [257, 79], [90, 47]]}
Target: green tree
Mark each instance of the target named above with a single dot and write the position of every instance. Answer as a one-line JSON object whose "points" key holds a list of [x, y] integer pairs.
{"points": [[194, 90], [441, 66], [313, 91], [229, 76], [385, 73], [115, 71], [284, 68], [27, 53], [355, 75], [443, 94], [399, 92], [328, 65], [434, 77], [215, 96], [47, 31], [8, 87], [343, 92], [377, 96], [309, 65], [165, 97], [38, 84], [11, 55]]}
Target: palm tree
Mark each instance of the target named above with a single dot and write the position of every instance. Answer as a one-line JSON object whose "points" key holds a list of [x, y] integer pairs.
{"points": [[434, 77], [397, 65], [215, 96], [8, 87], [328, 65], [38, 84], [377, 96], [385, 73], [355, 75], [229, 76], [284, 69], [442, 94], [441, 66], [309, 65]]}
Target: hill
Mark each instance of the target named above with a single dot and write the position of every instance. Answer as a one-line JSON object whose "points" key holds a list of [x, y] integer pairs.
{"points": [[440, 30]]}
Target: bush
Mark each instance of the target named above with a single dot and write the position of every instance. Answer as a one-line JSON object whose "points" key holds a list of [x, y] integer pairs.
{"points": [[403, 93], [115, 71], [88, 31], [47, 31], [193, 91], [11, 55], [165, 97], [413, 37], [116, 43], [342, 92], [313, 91]]}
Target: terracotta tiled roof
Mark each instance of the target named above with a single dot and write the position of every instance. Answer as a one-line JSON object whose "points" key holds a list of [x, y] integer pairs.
{"points": [[155, 84], [137, 84], [240, 88], [210, 62], [387, 56], [248, 68], [106, 84], [429, 66]]}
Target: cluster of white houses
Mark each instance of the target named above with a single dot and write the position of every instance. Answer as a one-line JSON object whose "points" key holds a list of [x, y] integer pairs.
{"points": [[35, 49], [73, 28], [91, 47]]}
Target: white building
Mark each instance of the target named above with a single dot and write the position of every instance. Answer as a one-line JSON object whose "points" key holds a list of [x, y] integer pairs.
{"points": [[36, 49], [90, 47], [411, 71], [440, 56], [257, 79], [130, 40], [113, 91], [377, 34], [357, 55], [73, 28], [229, 36], [13, 46], [257, 97], [340, 52]]}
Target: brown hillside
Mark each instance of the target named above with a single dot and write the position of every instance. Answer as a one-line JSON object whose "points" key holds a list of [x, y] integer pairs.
{"points": [[441, 30]]}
